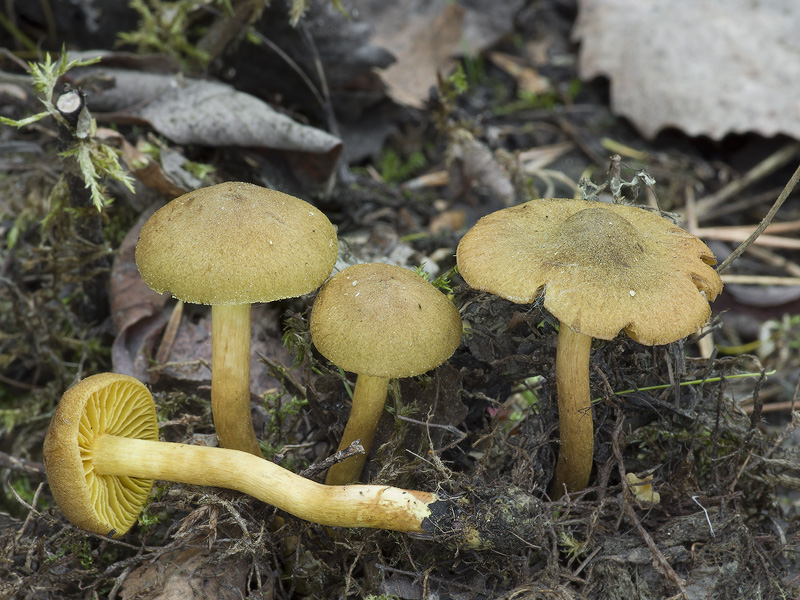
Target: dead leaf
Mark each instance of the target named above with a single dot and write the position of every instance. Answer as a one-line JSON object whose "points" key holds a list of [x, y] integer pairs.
{"points": [[705, 67], [199, 111], [428, 36], [472, 163], [187, 573], [209, 113], [137, 311]]}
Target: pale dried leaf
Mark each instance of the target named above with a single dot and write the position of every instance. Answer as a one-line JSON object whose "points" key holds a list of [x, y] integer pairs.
{"points": [[199, 111], [706, 67]]}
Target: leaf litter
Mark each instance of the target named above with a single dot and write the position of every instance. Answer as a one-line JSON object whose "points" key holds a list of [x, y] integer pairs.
{"points": [[479, 429]]}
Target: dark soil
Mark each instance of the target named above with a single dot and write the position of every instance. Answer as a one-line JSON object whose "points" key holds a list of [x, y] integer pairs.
{"points": [[481, 429]]}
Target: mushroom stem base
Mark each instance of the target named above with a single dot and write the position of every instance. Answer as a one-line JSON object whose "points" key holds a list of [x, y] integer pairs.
{"points": [[369, 398], [576, 429]]}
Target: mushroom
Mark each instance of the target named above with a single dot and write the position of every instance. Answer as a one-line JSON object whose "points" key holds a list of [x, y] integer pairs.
{"points": [[381, 322], [230, 245], [102, 454], [601, 268]]}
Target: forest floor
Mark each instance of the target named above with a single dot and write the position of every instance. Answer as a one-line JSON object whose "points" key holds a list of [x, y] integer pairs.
{"points": [[710, 419]]}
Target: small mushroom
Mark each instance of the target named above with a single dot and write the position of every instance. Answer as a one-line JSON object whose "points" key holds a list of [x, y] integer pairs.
{"points": [[642, 489], [601, 268], [102, 454], [231, 245], [381, 322]]}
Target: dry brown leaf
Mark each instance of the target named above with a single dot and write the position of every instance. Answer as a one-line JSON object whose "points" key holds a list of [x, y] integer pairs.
{"points": [[187, 573], [427, 37], [140, 315], [703, 66], [138, 312]]}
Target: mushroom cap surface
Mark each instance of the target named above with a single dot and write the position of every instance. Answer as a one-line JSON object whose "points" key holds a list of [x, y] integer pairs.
{"points": [[106, 403], [384, 321], [601, 267], [236, 243]]}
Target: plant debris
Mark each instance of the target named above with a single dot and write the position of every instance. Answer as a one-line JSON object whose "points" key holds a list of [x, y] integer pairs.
{"points": [[694, 487]]}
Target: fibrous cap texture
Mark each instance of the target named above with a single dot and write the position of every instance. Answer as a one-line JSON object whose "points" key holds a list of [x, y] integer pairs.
{"points": [[384, 321], [101, 404], [601, 267], [236, 243]]}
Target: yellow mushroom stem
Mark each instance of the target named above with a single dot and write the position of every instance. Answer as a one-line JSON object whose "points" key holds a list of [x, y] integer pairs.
{"points": [[230, 377], [374, 506], [369, 398], [576, 429]]}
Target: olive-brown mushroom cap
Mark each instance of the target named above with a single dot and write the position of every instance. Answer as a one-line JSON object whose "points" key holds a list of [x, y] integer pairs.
{"points": [[384, 321], [236, 243], [106, 403], [601, 267]]}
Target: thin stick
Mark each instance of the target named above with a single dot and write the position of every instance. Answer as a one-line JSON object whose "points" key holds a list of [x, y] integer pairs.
{"points": [[774, 241], [765, 167], [659, 560], [33, 469], [775, 260], [744, 230], [787, 405], [741, 205], [726, 264], [760, 280]]}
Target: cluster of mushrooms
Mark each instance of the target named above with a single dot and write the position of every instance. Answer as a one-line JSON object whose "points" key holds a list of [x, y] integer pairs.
{"points": [[600, 269]]}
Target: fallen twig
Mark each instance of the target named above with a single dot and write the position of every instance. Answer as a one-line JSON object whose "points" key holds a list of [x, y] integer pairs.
{"points": [[773, 241], [760, 280], [769, 165], [726, 264]]}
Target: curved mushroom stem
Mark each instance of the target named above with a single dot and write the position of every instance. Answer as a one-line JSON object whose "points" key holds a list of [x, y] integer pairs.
{"points": [[376, 506], [230, 377], [576, 429], [369, 398]]}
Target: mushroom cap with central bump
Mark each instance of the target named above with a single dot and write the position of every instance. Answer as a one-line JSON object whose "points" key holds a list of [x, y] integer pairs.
{"points": [[236, 243], [384, 321], [102, 404], [601, 267]]}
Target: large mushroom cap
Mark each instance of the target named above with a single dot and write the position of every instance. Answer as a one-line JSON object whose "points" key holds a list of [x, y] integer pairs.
{"points": [[101, 404], [384, 321], [601, 267], [236, 243]]}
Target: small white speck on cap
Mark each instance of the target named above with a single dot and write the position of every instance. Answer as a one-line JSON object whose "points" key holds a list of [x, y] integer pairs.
{"points": [[632, 293], [355, 281]]}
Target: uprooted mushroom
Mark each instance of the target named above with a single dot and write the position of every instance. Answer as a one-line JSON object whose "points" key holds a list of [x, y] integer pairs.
{"points": [[102, 454]]}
